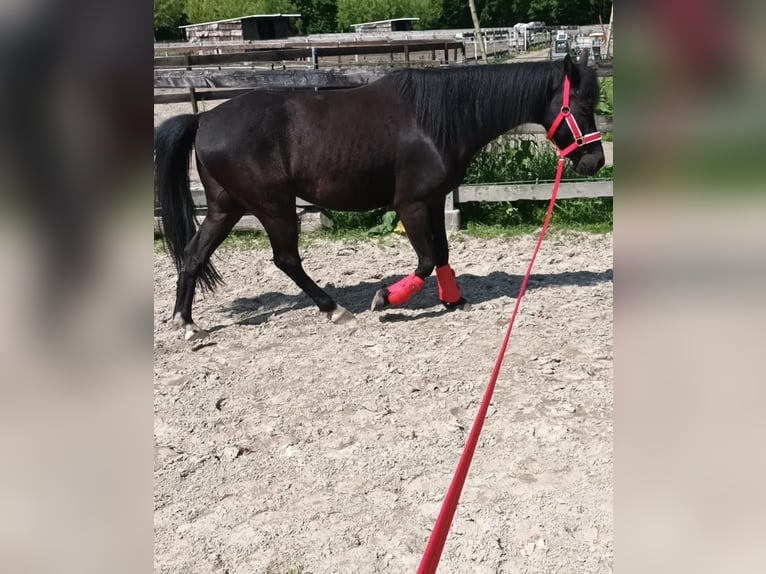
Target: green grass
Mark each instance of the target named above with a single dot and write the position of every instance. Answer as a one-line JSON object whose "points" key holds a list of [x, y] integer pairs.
{"points": [[593, 215], [483, 231], [246, 240]]}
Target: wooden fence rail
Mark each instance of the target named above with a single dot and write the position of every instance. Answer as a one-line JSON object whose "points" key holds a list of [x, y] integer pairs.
{"points": [[265, 79], [311, 217], [279, 55], [274, 79]]}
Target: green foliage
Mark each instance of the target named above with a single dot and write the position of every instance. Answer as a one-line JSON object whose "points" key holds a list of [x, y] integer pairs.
{"points": [[168, 13], [455, 14], [493, 13], [208, 10], [317, 16], [344, 221], [387, 224], [555, 12], [354, 11], [336, 15], [507, 159], [168, 16], [606, 101], [519, 159]]}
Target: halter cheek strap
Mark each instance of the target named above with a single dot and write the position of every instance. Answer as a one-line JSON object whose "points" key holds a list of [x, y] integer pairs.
{"points": [[565, 115]]}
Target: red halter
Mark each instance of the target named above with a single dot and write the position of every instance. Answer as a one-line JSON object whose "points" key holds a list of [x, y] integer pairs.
{"points": [[566, 114]]}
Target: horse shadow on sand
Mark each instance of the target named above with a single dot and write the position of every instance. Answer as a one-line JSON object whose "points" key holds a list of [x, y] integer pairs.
{"points": [[476, 289]]}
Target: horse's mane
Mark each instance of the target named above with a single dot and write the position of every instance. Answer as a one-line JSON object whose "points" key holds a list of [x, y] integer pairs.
{"points": [[471, 103]]}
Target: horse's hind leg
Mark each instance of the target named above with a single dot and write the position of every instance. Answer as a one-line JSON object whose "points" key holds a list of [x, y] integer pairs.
{"points": [[281, 224], [213, 230], [222, 214]]}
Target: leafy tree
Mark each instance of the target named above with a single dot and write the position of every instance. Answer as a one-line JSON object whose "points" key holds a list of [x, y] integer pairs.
{"points": [[554, 12], [209, 10], [168, 16], [455, 14], [354, 11], [498, 13], [317, 16]]}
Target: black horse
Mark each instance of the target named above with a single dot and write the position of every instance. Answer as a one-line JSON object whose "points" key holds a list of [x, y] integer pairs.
{"points": [[404, 141]]}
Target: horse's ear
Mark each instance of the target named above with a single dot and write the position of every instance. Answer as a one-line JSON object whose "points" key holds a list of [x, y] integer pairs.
{"points": [[571, 70]]}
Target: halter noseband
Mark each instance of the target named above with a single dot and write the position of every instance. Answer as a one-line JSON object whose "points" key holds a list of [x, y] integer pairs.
{"points": [[566, 115]]}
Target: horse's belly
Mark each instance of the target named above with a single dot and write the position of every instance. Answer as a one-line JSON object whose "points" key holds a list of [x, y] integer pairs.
{"points": [[348, 193]]}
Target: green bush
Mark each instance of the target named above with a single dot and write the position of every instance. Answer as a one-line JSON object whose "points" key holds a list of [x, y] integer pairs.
{"points": [[521, 160], [509, 159], [605, 105]]}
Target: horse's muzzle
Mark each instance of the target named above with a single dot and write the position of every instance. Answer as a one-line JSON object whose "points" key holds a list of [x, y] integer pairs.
{"points": [[589, 163]]}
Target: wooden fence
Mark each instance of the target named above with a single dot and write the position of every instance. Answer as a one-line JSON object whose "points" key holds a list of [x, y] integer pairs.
{"points": [[313, 218], [300, 68], [312, 55]]}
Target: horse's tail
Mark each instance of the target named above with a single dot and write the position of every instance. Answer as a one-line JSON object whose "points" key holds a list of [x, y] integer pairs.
{"points": [[173, 142]]}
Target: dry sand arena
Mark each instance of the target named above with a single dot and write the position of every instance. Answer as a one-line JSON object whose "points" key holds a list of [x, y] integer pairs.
{"points": [[287, 444]]}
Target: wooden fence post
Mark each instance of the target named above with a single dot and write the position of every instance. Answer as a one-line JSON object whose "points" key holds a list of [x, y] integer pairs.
{"points": [[193, 96], [192, 92], [451, 214]]}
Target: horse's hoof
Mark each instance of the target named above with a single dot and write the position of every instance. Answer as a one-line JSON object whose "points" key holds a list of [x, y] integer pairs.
{"points": [[461, 304], [380, 301], [194, 333], [339, 315]]}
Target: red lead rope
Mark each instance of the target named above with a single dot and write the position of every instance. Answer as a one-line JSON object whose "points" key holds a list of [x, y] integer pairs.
{"points": [[435, 545]]}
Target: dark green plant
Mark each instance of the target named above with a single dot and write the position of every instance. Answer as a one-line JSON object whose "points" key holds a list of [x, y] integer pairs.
{"points": [[605, 105], [519, 159]]}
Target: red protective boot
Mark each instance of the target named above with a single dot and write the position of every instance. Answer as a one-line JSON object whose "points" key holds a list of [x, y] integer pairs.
{"points": [[449, 292], [403, 290]]}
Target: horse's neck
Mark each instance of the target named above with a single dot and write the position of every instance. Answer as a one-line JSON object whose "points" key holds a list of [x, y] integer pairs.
{"points": [[497, 117]]}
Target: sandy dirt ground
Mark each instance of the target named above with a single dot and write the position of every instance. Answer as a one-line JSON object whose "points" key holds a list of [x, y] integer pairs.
{"points": [[287, 444]]}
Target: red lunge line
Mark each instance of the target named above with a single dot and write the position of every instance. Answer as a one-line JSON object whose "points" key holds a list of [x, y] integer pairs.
{"points": [[435, 545]]}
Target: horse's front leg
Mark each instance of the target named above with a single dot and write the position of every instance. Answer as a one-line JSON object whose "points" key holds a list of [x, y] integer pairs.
{"points": [[449, 290], [416, 220]]}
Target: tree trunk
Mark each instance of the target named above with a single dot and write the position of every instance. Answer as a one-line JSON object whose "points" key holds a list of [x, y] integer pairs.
{"points": [[608, 38], [477, 30]]}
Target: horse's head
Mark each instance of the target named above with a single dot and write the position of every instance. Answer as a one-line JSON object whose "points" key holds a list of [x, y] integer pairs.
{"points": [[570, 117]]}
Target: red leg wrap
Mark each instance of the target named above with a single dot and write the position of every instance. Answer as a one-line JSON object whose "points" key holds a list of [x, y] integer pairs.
{"points": [[449, 292], [403, 290]]}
